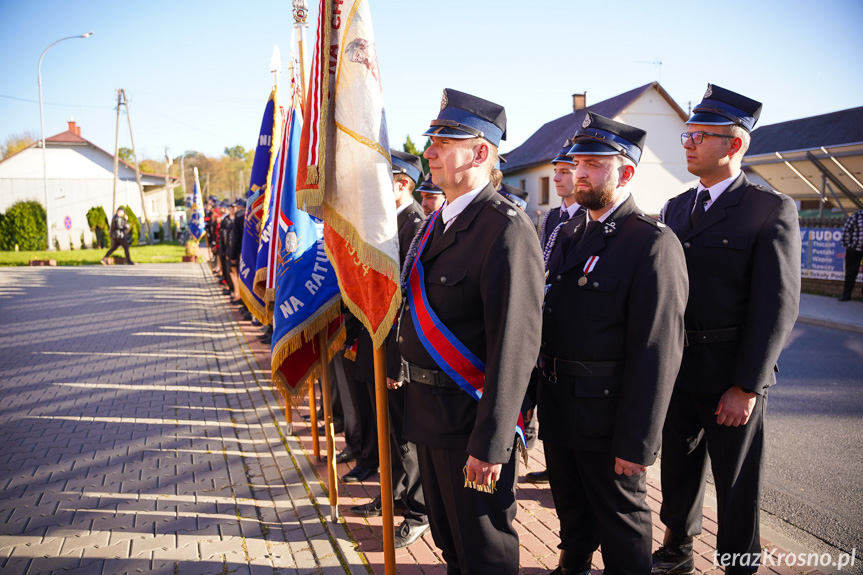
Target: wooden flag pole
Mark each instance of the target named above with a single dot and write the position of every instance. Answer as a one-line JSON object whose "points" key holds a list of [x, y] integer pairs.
{"points": [[384, 458], [313, 419], [326, 397]]}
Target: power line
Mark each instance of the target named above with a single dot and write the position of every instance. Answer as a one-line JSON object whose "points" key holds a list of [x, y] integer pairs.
{"points": [[53, 103]]}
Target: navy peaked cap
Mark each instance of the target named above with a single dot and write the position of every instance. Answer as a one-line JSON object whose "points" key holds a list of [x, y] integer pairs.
{"points": [[428, 186], [239, 203], [721, 107], [408, 164], [601, 136], [562, 156], [463, 116], [515, 195]]}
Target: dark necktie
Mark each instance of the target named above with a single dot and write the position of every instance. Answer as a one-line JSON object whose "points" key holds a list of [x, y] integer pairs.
{"points": [[564, 215], [703, 198]]}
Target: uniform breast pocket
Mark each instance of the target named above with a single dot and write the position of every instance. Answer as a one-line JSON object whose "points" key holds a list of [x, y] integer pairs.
{"points": [[726, 240], [595, 295], [446, 286], [597, 405]]}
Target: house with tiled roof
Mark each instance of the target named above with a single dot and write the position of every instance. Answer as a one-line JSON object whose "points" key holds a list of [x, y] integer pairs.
{"points": [[80, 176], [661, 172]]}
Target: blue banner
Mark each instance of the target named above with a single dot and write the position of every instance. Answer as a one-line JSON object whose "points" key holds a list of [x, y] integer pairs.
{"points": [[307, 295], [196, 220], [258, 185]]}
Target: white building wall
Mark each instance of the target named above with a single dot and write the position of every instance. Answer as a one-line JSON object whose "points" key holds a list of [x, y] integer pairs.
{"points": [[661, 173], [79, 178]]}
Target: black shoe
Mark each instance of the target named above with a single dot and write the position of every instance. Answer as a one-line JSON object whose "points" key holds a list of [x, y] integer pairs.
{"points": [[845, 298], [345, 456], [674, 557], [374, 508], [537, 476], [407, 534], [359, 474]]}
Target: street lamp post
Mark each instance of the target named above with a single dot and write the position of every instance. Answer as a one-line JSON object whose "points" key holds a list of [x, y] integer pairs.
{"points": [[42, 122]]}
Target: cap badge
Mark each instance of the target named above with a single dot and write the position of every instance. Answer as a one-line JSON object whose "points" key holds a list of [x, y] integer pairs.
{"points": [[709, 91], [443, 101], [586, 121]]}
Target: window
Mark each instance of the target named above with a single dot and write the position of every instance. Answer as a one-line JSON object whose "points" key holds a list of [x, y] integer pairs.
{"points": [[543, 191]]}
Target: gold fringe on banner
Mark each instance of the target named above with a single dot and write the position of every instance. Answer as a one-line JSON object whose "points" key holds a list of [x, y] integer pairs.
{"points": [[312, 175], [375, 259], [255, 308], [281, 353], [275, 143], [259, 285]]}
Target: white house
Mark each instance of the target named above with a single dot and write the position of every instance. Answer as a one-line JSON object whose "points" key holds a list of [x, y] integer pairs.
{"points": [[80, 176], [661, 173]]}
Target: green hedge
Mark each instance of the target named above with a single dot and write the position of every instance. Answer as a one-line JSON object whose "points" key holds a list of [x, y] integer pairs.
{"points": [[135, 226], [23, 224]]}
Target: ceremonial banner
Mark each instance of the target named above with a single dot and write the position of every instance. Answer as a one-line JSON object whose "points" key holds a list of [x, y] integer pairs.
{"points": [[345, 172], [264, 286], [307, 296], [259, 183], [196, 220]]}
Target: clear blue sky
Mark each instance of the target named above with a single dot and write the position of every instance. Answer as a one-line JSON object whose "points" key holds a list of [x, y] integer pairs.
{"points": [[197, 73]]}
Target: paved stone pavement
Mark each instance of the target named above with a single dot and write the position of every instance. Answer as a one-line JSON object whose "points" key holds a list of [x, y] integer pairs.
{"points": [[139, 434]]}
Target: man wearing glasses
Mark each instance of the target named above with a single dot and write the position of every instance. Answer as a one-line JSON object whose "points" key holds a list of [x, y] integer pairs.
{"points": [[742, 247]]}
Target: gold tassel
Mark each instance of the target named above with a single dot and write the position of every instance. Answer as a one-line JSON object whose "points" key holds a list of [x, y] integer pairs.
{"points": [[481, 488], [312, 176]]}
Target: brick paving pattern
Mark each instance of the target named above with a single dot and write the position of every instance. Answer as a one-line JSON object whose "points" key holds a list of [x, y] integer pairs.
{"points": [[139, 434]]}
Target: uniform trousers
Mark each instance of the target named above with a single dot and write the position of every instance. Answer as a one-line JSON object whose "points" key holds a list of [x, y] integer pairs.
{"points": [[119, 242], [407, 487], [689, 436], [597, 506], [852, 268], [363, 403], [473, 530]]}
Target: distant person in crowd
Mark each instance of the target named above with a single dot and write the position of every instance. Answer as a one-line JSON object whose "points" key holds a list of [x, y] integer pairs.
{"points": [[612, 339], [225, 232], [432, 196], [236, 244], [742, 247], [119, 236], [852, 240]]}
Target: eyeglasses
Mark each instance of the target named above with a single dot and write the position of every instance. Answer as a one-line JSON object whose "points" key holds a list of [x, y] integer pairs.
{"points": [[698, 137]]}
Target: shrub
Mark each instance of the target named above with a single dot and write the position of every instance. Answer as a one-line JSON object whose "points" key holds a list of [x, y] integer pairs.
{"points": [[97, 219], [24, 224], [134, 226]]}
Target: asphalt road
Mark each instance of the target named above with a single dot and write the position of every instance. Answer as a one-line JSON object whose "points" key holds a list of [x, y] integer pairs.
{"points": [[813, 489]]}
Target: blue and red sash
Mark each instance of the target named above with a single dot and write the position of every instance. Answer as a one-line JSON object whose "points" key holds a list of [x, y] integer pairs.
{"points": [[450, 354]]}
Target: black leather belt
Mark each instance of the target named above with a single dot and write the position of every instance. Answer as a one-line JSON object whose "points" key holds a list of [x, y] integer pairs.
{"points": [[694, 337], [433, 377], [552, 367]]}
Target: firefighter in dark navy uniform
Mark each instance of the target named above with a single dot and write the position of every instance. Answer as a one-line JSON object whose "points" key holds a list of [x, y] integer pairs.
{"points": [[564, 184], [407, 488], [742, 246], [472, 321], [432, 196], [612, 339]]}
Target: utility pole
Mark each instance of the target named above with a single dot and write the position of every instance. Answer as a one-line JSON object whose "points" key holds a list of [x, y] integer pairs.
{"points": [[169, 197], [116, 155], [183, 175], [137, 170]]}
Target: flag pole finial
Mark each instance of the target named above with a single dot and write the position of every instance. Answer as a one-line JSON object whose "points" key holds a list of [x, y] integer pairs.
{"points": [[276, 64]]}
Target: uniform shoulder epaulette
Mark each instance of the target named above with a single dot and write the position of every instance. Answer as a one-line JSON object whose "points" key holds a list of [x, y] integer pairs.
{"points": [[767, 189], [651, 220], [505, 206]]}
